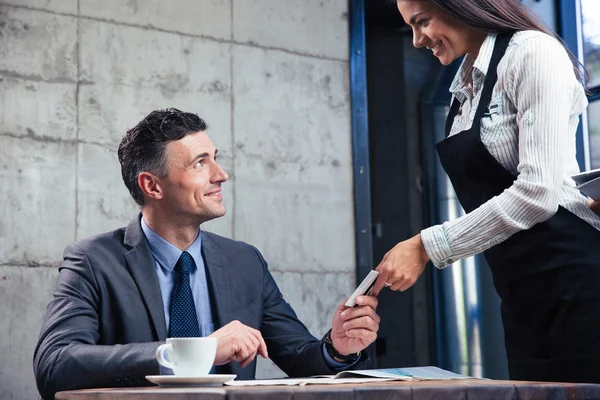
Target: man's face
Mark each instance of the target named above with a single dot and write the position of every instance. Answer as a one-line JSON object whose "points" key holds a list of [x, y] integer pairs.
{"points": [[192, 187]]}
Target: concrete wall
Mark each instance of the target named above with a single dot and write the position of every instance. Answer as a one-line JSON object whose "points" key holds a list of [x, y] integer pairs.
{"points": [[269, 76]]}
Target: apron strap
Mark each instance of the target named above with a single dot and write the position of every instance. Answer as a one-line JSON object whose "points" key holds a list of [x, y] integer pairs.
{"points": [[491, 77], [451, 114]]}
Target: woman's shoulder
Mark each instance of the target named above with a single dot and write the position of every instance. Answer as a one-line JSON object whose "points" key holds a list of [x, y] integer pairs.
{"points": [[532, 40], [535, 54], [536, 47]]}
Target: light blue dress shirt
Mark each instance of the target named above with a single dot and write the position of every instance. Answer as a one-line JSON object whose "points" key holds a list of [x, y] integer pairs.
{"points": [[165, 257]]}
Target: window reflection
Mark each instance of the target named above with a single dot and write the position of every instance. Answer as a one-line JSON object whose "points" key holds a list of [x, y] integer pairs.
{"points": [[590, 10], [594, 133]]}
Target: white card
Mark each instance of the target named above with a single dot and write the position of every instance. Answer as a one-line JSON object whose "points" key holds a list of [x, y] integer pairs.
{"points": [[363, 289]]}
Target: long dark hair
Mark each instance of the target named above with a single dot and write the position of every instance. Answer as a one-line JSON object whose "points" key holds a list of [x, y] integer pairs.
{"points": [[497, 16]]}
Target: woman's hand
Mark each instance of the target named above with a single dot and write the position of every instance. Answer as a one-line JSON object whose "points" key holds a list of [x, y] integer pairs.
{"points": [[595, 206], [401, 266]]}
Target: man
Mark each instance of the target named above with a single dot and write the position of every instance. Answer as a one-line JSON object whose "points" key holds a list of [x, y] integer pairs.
{"points": [[120, 294]]}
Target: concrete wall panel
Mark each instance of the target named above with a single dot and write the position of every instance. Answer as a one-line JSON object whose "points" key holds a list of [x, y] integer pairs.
{"points": [[59, 6], [292, 109], [166, 70], [293, 159], [103, 201], [38, 191], [315, 27], [37, 45], [142, 58], [38, 109], [207, 17], [306, 227], [24, 292]]}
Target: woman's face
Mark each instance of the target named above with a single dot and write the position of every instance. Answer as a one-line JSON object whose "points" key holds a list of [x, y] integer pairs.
{"points": [[433, 28]]}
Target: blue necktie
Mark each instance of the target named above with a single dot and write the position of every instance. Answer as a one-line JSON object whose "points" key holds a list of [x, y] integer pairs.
{"points": [[183, 320]]}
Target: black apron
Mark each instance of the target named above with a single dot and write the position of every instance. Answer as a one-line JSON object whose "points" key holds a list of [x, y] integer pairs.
{"points": [[548, 277]]}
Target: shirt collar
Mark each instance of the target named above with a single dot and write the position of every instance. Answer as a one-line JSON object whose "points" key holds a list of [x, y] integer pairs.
{"points": [[167, 254], [473, 71]]}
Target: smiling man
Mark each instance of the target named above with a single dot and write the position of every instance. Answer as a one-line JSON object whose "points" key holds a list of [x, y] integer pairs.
{"points": [[120, 294]]}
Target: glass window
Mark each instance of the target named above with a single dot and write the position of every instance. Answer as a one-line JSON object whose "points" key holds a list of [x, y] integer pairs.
{"points": [[594, 133], [590, 13]]}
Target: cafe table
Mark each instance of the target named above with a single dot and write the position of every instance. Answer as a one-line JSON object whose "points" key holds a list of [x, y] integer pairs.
{"points": [[471, 389]]}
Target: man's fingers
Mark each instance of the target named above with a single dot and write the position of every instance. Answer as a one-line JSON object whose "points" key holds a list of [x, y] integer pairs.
{"points": [[370, 301], [373, 315], [251, 341], [251, 344], [241, 356], [360, 311], [244, 359], [366, 322], [342, 305], [262, 347], [247, 361], [363, 334], [245, 341], [241, 351]]}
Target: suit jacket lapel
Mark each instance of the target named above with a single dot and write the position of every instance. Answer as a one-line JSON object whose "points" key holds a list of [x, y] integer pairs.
{"points": [[219, 280], [141, 264]]}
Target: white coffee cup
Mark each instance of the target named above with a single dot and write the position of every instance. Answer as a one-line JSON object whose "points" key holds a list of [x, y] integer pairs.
{"points": [[188, 356]]}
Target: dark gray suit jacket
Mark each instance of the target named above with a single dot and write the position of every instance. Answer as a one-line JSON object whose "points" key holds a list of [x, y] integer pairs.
{"points": [[106, 319]]}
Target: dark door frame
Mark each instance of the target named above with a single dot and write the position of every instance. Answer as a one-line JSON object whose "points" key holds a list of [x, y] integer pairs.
{"points": [[360, 139]]}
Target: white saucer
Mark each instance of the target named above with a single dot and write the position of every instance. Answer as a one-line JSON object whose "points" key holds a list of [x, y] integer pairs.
{"points": [[187, 381]]}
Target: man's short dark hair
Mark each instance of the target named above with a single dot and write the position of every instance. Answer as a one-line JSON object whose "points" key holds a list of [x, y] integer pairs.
{"points": [[142, 149]]}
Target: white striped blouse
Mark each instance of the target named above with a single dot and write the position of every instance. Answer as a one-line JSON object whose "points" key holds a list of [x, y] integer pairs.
{"points": [[531, 132]]}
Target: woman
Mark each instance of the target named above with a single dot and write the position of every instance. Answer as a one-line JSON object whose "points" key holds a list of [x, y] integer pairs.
{"points": [[509, 152]]}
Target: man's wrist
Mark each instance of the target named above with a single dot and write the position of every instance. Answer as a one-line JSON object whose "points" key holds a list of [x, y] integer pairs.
{"points": [[343, 361], [334, 354]]}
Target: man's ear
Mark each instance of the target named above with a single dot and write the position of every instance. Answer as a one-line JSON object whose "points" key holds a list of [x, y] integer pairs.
{"points": [[150, 185]]}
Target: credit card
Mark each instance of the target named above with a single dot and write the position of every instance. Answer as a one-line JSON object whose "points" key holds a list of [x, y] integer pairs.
{"points": [[363, 289]]}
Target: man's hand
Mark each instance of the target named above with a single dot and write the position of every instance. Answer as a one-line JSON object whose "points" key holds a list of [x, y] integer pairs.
{"points": [[238, 342], [354, 328], [401, 266]]}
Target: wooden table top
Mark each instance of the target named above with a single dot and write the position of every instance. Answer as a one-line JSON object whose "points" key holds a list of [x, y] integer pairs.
{"points": [[470, 389]]}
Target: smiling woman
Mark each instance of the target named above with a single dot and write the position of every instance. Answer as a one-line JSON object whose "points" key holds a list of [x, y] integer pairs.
{"points": [[439, 32], [499, 16], [509, 152]]}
